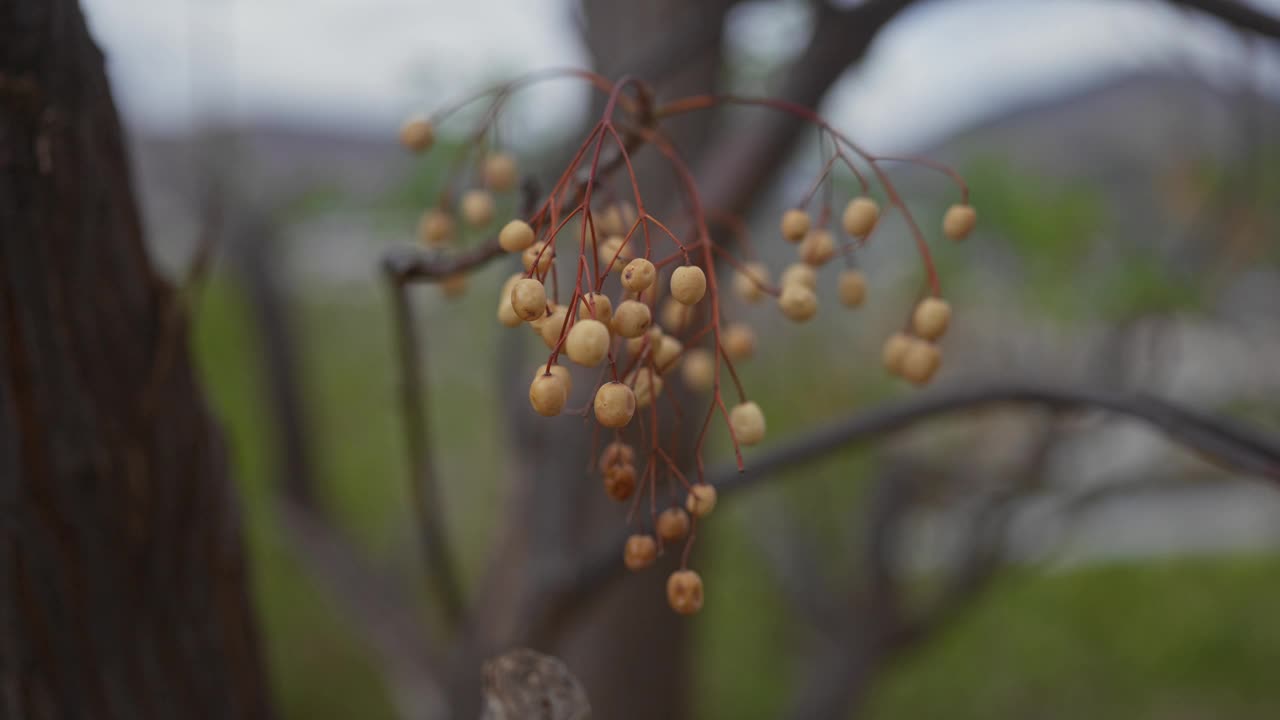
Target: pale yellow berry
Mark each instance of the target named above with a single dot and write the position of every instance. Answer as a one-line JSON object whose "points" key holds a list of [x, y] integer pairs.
{"points": [[800, 274], [454, 286], [647, 385], [587, 343], [614, 405], [478, 208], [895, 349], [701, 500], [418, 134], [499, 171], [738, 341], [748, 282], [688, 284], [852, 288], [596, 306], [817, 248], [516, 236], [672, 525], [921, 361], [698, 369], [614, 253], [640, 552], [638, 275], [547, 395], [860, 217], [529, 299], [631, 319], [616, 219], [798, 303], [644, 341], [794, 225], [435, 227], [931, 318], [620, 482], [666, 353], [506, 313], [747, 422], [959, 221], [675, 315], [648, 296], [539, 253], [684, 592], [559, 371], [551, 325]]}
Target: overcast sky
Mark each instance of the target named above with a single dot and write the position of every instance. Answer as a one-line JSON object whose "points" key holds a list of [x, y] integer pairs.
{"points": [[364, 64]]}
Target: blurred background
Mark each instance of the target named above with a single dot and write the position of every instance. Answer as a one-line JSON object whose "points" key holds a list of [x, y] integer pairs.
{"points": [[1124, 158]]}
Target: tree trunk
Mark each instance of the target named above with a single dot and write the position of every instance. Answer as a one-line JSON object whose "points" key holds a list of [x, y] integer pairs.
{"points": [[124, 588]]}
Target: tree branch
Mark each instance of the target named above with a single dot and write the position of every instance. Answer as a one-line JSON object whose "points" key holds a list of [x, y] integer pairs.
{"points": [[1222, 441], [1237, 14], [423, 486]]}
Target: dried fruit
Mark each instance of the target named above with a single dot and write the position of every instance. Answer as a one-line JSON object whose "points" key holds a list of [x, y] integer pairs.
{"points": [[673, 524], [931, 318], [684, 592], [551, 325], [701, 500], [540, 253], [587, 343], [647, 386], [921, 361], [794, 225], [688, 284], [747, 422], [852, 287], [818, 247], [675, 315], [620, 482], [616, 453], [798, 302], [614, 253], [959, 221], [860, 217], [614, 405], [631, 319], [666, 353], [640, 552], [418, 134], [559, 371], [748, 283], [738, 341], [506, 313], [800, 274], [454, 285], [698, 369], [529, 299], [895, 349], [596, 306], [478, 208], [435, 227], [516, 236], [638, 275], [547, 395], [499, 171]]}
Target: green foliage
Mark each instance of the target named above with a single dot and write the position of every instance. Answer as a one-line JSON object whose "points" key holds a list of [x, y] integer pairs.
{"points": [[1176, 638]]}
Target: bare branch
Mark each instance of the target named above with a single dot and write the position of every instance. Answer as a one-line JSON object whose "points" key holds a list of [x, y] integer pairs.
{"points": [[424, 489], [1219, 440], [1237, 14]]}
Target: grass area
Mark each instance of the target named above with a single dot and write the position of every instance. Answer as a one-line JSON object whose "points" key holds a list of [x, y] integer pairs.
{"points": [[1179, 639]]}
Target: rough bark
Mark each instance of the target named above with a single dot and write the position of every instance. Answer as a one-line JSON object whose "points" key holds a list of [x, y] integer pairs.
{"points": [[124, 587]]}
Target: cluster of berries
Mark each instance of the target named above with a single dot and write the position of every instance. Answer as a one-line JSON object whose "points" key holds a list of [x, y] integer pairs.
{"points": [[664, 317]]}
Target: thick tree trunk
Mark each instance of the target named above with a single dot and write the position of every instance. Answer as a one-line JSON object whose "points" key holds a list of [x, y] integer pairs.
{"points": [[124, 591]]}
